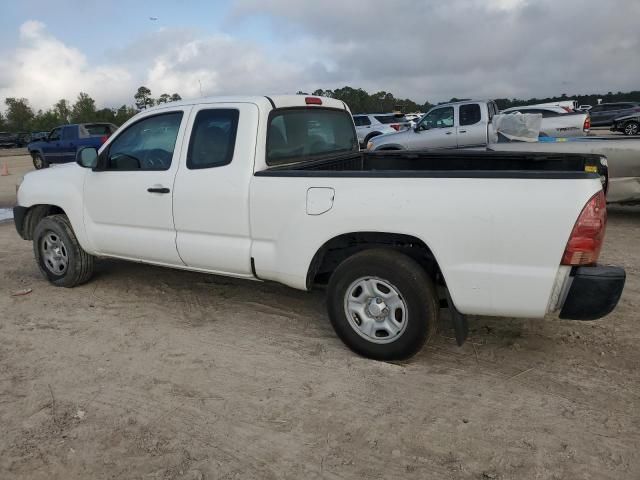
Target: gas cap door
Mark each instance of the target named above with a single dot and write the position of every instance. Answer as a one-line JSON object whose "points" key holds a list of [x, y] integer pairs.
{"points": [[319, 200]]}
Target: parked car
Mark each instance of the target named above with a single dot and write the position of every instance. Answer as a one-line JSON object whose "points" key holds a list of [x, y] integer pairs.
{"points": [[602, 115], [8, 140], [36, 136], [372, 125], [62, 143], [22, 139], [557, 121], [276, 189], [449, 125], [628, 124]]}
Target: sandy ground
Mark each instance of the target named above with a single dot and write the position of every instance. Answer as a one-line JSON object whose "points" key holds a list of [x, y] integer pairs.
{"points": [[18, 163], [162, 374]]}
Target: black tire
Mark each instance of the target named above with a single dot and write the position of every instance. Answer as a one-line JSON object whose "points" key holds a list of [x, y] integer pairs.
{"points": [[79, 264], [631, 128], [38, 161], [414, 287], [370, 136]]}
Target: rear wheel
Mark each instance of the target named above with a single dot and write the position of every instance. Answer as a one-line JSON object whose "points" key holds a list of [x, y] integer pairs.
{"points": [[60, 257], [382, 304], [631, 128], [39, 162]]}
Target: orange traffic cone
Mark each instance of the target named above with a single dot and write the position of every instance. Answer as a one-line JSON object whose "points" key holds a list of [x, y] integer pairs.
{"points": [[5, 169]]}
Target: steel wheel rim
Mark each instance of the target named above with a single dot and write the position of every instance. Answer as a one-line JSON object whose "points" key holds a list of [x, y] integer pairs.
{"points": [[54, 253], [38, 161], [631, 129], [376, 310]]}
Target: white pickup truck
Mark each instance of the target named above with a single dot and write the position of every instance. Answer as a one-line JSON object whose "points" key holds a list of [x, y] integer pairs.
{"points": [[469, 123], [275, 188]]}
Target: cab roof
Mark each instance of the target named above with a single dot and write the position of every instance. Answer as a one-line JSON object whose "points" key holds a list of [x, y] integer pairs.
{"points": [[267, 101]]}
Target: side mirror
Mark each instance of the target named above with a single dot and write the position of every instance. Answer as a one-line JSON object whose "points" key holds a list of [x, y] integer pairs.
{"points": [[87, 157]]}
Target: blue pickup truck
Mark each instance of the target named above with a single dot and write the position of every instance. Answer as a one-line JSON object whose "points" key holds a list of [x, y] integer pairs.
{"points": [[62, 143]]}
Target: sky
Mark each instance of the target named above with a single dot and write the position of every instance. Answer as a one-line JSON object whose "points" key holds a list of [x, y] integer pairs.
{"points": [[426, 50]]}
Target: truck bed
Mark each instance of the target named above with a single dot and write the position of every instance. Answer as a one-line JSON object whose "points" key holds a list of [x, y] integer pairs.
{"points": [[450, 164]]}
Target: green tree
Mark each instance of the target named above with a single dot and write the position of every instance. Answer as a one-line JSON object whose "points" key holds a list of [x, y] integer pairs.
{"points": [[18, 115], [84, 110], [2, 122], [123, 114], [62, 109], [105, 115], [164, 98], [45, 121], [175, 97], [143, 98]]}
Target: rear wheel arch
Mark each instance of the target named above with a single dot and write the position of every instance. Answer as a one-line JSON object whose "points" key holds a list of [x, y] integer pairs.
{"points": [[333, 252]]}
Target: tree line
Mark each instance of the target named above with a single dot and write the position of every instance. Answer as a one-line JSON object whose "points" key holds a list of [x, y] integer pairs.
{"points": [[19, 116], [360, 101]]}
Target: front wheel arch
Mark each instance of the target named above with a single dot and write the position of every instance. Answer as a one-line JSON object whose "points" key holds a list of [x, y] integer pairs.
{"points": [[33, 216]]}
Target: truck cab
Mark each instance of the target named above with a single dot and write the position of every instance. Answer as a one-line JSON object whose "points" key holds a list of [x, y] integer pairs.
{"points": [[451, 125]]}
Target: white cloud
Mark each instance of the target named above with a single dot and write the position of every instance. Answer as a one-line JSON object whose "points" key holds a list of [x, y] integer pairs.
{"points": [[424, 50], [43, 69]]}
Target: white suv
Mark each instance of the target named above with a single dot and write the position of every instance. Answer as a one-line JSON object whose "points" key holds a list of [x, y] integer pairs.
{"points": [[372, 125]]}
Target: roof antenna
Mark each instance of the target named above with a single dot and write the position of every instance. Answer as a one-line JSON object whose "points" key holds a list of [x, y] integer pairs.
{"points": [[200, 83]]}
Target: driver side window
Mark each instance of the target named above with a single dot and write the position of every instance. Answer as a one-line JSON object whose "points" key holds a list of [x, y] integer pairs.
{"points": [[438, 118], [145, 145], [55, 134]]}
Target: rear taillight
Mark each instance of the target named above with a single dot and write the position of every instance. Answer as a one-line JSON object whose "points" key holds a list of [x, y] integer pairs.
{"points": [[395, 126], [103, 139], [568, 109], [585, 242], [587, 123]]}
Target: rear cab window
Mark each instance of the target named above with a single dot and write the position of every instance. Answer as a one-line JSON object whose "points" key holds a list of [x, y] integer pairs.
{"points": [[470, 114], [213, 138], [302, 134]]}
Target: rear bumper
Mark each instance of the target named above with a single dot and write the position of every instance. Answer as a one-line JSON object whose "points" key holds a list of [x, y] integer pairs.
{"points": [[594, 292]]}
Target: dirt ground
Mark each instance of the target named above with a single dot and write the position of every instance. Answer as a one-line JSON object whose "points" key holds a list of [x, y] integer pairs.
{"points": [[18, 163], [151, 373]]}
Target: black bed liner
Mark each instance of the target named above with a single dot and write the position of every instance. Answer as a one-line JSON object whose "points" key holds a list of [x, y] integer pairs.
{"points": [[447, 164]]}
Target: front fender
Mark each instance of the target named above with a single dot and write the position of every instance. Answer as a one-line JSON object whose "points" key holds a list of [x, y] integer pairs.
{"points": [[60, 187]]}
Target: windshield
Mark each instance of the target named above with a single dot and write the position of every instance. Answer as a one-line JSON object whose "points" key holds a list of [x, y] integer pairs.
{"points": [[300, 134]]}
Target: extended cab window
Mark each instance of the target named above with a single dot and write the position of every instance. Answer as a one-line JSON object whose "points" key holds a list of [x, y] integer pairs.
{"points": [[438, 118], [469, 114], [146, 145], [213, 138], [298, 134]]}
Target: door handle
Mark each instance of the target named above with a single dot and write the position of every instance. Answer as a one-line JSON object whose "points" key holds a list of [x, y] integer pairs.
{"points": [[449, 133], [158, 190], [462, 131]]}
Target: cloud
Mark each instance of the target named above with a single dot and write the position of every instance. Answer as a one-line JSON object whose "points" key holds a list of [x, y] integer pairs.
{"points": [[43, 69], [467, 48], [424, 50]]}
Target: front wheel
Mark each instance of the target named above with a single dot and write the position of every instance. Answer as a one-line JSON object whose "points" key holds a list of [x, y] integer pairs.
{"points": [[59, 255], [39, 162], [631, 128], [382, 304]]}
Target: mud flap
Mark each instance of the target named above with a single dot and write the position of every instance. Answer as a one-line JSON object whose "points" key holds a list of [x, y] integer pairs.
{"points": [[459, 321]]}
